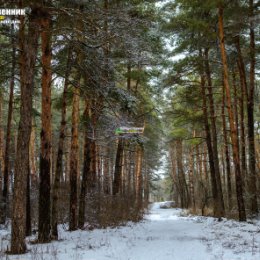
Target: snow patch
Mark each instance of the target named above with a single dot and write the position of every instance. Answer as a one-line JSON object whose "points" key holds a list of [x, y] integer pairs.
{"points": [[165, 234]]}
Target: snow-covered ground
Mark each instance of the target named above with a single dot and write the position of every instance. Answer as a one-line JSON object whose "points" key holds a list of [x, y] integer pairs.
{"points": [[165, 234]]}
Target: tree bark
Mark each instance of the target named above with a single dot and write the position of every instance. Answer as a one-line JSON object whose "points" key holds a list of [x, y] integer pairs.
{"points": [[2, 157], [86, 175], [234, 134], [45, 157], [183, 188], [250, 118], [118, 167], [138, 174], [106, 172], [59, 160], [217, 211], [228, 169], [28, 204], [28, 46], [176, 188], [32, 154], [191, 180], [220, 200], [243, 97], [74, 157], [9, 123]]}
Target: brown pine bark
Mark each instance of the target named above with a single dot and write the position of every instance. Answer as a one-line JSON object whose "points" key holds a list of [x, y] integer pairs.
{"points": [[217, 209], [45, 157], [67, 155], [93, 166], [32, 154], [243, 96], [234, 134], [183, 188], [28, 203], [227, 157], [235, 102], [86, 174], [250, 118], [9, 124], [118, 167], [191, 180], [220, 200], [174, 176], [1, 142], [199, 163], [146, 186], [74, 157], [124, 169], [205, 165], [138, 174], [59, 160], [106, 172], [28, 46], [242, 99]]}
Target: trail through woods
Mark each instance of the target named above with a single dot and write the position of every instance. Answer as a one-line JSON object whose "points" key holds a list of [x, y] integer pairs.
{"points": [[165, 234]]}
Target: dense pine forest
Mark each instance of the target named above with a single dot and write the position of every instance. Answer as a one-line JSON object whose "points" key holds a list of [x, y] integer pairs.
{"points": [[109, 105]]}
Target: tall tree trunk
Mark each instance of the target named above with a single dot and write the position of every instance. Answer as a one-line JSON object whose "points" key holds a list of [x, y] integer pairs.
{"points": [[227, 157], [219, 200], [138, 174], [235, 103], [234, 134], [67, 155], [28, 47], [32, 154], [118, 167], [191, 180], [74, 157], [45, 157], [243, 88], [243, 97], [176, 189], [28, 204], [59, 160], [2, 157], [146, 186], [86, 175], [106, 172], [184, 194], [2, 202], [250, 118], [9, 123], [216, 203]]}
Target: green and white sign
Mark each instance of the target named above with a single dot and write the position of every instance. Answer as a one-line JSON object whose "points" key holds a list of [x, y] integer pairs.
{"points": [[129, 130]]}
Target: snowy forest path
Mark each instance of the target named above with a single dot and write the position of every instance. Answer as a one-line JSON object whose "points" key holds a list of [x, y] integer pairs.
{"points": [[164, 234]]}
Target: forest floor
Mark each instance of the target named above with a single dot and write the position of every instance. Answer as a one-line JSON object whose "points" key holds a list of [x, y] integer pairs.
{"points": [[164, 234]]}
